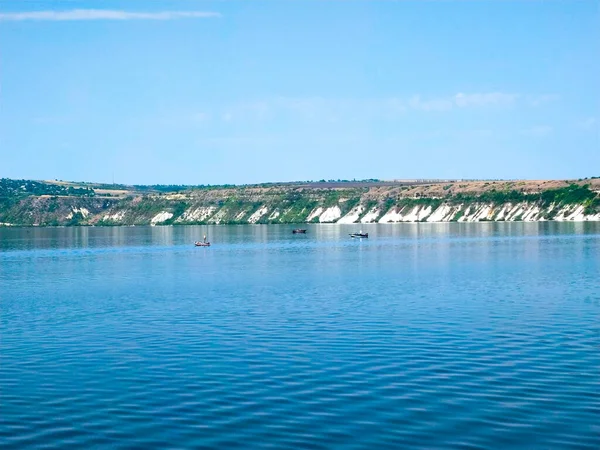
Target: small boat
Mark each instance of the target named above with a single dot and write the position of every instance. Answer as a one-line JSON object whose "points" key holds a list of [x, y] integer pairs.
{"points": [[202, 243], [299, 231], [360, 234]]}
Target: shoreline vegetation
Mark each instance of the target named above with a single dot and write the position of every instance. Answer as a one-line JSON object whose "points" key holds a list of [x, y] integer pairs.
{"points": [[59, 203]]}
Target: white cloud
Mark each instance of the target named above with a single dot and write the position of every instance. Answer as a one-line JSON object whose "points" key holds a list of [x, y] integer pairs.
{"points": [[395, 105], [309, 107], [358, 110], [477, 133], [441, 104], [538, 131], [461, 100], [319, 107], [103, 14], [486, 99], [539, 100], [241, 141], [53, 120], [199, 117], [591, 123], [259, 109]]}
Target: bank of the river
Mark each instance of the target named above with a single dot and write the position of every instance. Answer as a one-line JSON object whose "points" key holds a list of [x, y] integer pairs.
{"points": [[43, 204]]}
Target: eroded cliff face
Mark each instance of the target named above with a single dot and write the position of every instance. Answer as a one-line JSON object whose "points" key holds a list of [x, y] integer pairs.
{"points": [[463, 212], [456, 202], [52, 210]]}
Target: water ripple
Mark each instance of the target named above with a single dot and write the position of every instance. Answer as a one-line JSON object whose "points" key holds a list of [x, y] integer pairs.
{"points": [[444, 342]]}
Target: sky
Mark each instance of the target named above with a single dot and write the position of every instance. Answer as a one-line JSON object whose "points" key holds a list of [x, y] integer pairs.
{"points": [[211, 92]]}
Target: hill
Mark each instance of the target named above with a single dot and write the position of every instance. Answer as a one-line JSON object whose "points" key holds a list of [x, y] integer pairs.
{"points": [[45, 203]]}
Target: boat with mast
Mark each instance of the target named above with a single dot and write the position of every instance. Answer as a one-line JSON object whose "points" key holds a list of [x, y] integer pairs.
{"points": [[203, 243]]}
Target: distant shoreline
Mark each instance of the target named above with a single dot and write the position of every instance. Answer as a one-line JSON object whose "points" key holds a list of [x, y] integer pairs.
{"points": [[40, 204]]}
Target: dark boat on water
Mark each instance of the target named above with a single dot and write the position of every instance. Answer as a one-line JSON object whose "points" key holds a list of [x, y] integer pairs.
{"points": [[299, 231], [360, 234]]}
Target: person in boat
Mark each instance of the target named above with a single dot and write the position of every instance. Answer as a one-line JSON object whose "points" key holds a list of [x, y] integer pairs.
{"points": [[204, 239]]}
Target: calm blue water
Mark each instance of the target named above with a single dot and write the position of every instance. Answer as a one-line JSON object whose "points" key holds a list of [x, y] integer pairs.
{"points": [[430, 336]]}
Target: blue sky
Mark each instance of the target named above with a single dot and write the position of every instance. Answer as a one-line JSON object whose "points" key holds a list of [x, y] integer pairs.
{"points": [[195, 92]]}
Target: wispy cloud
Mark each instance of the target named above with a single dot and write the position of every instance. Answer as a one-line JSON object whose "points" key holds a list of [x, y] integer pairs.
{"points": [[320, 109], [475, 133], [199, 117], [324, 110], [538, 131], [591, 123], [439, 104], [484, 99], [103, 14], [53, 120], [460, 100], [389, 107], [539, 100]]}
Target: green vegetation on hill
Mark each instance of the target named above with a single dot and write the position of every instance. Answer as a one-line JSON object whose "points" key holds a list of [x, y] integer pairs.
{"points": [[26, 202], [567, 195], [22, 188], [294, 207]]}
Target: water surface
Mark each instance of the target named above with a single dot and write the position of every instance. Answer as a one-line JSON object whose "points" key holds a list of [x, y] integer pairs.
{"points": [[423, 336]]}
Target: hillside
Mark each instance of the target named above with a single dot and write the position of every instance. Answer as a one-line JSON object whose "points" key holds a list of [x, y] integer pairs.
{"points": [[37, 203]]}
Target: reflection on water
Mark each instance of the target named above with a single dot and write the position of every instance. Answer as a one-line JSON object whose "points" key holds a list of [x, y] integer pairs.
{"points": [[82, 237], [422, 336]]}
